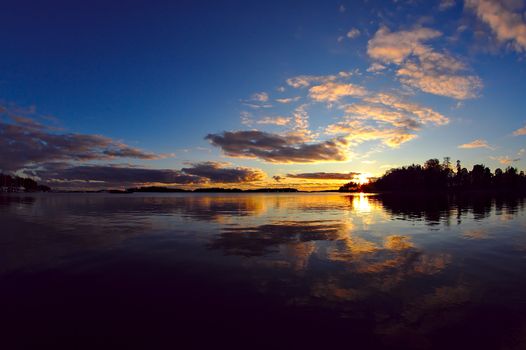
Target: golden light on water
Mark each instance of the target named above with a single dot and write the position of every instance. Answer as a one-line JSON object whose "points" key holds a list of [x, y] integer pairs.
{"points": [[361, 203]]}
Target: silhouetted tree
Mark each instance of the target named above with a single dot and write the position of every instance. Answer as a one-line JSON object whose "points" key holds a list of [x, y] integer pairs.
{"points": [[350, 187], [9, 183], [433, 176]]}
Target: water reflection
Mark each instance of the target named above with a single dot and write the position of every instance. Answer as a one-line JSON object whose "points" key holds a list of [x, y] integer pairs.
{"points": [[401, 270], [441, 208]]}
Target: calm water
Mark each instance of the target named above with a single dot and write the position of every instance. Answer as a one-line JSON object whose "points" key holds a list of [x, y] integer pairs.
{"points": [[262, 269]]}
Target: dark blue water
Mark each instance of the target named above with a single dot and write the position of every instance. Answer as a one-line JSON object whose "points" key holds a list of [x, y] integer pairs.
{"points": [[246, 270]]}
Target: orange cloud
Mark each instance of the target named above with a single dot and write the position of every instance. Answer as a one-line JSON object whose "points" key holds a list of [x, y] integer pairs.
{"points": [[479, 143], [520, 132], [332, 92]]}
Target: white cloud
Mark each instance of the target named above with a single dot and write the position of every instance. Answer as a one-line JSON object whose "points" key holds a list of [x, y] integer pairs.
{"points": [[376, 67], [246, 118], [288, 99], [260, 97], [425, 115], [386, 118], [422, 67], [506, 21], [281, 121], [353, 33]]}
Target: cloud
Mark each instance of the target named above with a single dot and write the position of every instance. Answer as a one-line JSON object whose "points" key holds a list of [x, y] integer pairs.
{"points": [[353, 33], [424, 115], [217, 172], [276, 148], [26, 142], [434, 78], [113, 175], [66, 175], [324, 176], [281, 121], [395, 47], [260, 97], [356, 132], [376, 67], [277, 178], [246, 118], [332, 92], [520, 131], [507, 24], [258, 100], [288, 100], [422, 67], [505, 160], [302, 81], [446, 4], [386, 118], [479, 143], [382, 114], [300, 117]]}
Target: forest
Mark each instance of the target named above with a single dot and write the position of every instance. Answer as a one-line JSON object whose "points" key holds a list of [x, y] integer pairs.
{"points": [[438, 176], [10, 183]]}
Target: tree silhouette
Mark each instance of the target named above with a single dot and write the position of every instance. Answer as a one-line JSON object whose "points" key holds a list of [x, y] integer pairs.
{"points": [[433, 176], [9, 183]]}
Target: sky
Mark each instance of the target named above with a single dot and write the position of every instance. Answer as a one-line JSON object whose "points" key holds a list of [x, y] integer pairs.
{"points": [[305, 94]]}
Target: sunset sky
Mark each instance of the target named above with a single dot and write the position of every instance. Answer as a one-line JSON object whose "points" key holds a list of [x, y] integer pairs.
{"points": [[307, 94]]}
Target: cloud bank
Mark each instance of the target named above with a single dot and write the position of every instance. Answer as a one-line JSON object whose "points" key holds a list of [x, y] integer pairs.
{"points": [[324, 176], [26, 143], [275, 148], [66, 175]]}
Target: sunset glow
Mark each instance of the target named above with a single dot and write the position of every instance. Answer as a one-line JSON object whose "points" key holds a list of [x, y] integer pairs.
{"points": [[298, 174]]}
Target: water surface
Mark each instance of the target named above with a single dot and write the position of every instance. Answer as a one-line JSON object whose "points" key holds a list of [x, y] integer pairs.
{"points": [[390, 272]]}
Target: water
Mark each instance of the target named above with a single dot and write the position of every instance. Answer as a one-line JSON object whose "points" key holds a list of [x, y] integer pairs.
{"points": [[263, 269]]}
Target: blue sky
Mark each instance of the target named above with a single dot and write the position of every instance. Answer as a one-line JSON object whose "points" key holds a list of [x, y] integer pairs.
{"points": [[316, 86]]}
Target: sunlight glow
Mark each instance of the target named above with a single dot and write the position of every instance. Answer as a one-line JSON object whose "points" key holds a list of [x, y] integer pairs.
{"points": [[361, 203], [363, 179]]}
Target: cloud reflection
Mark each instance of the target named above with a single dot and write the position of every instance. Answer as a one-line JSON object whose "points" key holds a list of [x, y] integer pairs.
{"points": [[365, 258]]}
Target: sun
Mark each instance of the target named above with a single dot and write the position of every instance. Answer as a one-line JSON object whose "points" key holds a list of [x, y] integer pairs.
{"points": [[363, 179]]}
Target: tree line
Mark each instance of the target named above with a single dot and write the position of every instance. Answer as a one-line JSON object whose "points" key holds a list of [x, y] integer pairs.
{"points": [[10, 183], [436, 176]]}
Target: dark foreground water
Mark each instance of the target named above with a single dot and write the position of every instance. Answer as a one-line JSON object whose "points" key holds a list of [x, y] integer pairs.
{"points": [[250, 270]]}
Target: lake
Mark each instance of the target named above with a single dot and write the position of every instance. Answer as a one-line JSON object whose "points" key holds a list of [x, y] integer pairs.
{"points": [[269, 270]]}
